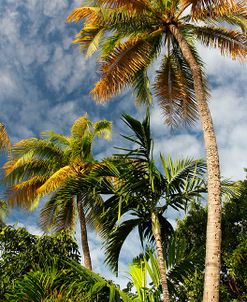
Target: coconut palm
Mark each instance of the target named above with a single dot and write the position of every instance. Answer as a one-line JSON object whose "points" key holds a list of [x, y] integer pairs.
{"points": [[143, 194], [133, 34], [39, 167]]}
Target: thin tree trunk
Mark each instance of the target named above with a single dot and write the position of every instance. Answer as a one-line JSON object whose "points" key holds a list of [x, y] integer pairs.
{"points": [[160, 253], [213, 236], [84, 240]]}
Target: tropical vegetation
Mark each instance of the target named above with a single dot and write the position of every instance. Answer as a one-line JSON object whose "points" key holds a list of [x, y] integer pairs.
{"points": [[39, 166], [131, 35]]}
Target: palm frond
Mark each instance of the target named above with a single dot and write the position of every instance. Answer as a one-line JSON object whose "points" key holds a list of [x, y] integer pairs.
{"points": [[115, 241], [56, 138], [25, 194], [103, 128], [181, 169], [56, 180], [142, 91], [80, 127], [83, 12], [121, 66], [5, 144], [230, 42], [174, 87]]}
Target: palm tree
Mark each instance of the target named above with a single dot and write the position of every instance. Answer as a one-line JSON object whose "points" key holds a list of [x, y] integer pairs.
{"points": [[131, 35], [39, 167], [143, 194]]}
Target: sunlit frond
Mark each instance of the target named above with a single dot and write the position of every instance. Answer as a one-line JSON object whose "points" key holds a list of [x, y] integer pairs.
{"points": [[81, 13], [222, 10], [56, 138], [230, 42], [38, 147], [56, 180], [200, 5], [25, 194], [121, 66], [5, 144], [80, 126], [134, 5]]}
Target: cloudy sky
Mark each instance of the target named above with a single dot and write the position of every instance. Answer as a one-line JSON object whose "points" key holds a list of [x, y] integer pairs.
{"points": [[45, 81]]}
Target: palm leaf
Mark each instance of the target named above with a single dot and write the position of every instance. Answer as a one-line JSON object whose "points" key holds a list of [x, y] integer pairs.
{"points": [[56, 180], [80, 127], [115, 241], [230, 42], [121, 66], [25, 194], [5, 144], [103, 128]]}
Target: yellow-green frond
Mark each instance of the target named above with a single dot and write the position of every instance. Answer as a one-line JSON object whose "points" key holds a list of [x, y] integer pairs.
{"points": [[25, 194], [230, 42], [80, 127], [94, 44], [103, 128], [131, 5], [56, 180], [5, 144], [13, 164], [81, 13]]}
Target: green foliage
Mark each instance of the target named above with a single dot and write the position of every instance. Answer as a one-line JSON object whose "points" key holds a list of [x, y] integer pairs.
{"points": [[22, 252], [234, 244], [72, 283]]}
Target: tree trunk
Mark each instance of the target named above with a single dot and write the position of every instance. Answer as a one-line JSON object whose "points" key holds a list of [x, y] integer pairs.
{"points": [[160, 253], [84, 240], [213, 236]]}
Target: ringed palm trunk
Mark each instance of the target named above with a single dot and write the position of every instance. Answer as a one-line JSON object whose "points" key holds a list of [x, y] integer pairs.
{"points": [[213, 236], [160, 254], [84, 240]]}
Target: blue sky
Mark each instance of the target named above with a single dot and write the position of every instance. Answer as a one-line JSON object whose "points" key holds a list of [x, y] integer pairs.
{"points": [[45, 81]]}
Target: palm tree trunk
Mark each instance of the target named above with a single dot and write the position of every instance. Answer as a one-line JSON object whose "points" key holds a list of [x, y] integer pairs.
{"points": [[213, 236], [160, 253], [84, 240]]}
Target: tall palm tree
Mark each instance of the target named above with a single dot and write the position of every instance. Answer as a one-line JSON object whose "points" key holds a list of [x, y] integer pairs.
{"points": [[39, 167], [143, 194], [133, 34]]}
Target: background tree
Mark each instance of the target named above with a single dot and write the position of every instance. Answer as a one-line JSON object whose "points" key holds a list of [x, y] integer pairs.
{"points": [[131, 35], [38, 167], [22, 252], [234, 230]]}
